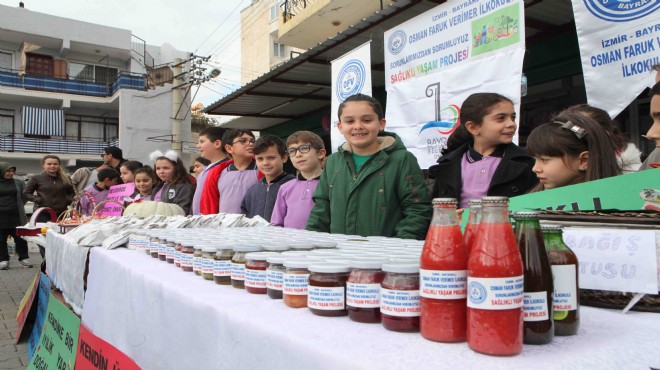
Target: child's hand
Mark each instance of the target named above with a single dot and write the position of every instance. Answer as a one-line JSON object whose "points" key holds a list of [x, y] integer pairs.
{"points": [[459, 213]]}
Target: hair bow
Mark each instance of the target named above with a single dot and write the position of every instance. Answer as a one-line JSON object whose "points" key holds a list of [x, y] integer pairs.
{"points": [[170, 154], [577, 130]]}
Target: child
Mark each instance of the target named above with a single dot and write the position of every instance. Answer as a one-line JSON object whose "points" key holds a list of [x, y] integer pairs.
{"points": [[481, 158], [176, 187], [227, 183], [294, 199], [270, 155], [653, 160], [127, 170], [107, 177], [571, 149], [211, 148], [199, 164], [145, 181], [372, 185]]}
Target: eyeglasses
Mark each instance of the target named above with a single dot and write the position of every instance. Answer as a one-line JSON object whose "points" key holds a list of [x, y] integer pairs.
{"points": [[244, 141], [302, 149], [104, 154]]}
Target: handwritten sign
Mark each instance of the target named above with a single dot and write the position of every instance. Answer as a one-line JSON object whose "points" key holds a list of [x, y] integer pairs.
{"points": [[25, 306], [43, 297], [58, 343], [615, 259], [95, 353], [118, 193]]}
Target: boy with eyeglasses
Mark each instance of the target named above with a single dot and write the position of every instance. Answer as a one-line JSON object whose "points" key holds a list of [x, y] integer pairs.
{"points": [[294, 199]]}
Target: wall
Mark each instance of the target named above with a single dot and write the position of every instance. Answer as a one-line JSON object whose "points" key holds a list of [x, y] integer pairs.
{"points": [[255, 40]]}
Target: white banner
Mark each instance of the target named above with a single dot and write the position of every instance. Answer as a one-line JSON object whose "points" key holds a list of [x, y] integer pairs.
{"points": [[436, 60], [351, 74], [619, 42]]}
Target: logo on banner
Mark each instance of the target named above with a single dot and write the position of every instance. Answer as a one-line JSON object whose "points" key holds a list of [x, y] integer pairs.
{"points": [[447, 126], [351, 79], [396, 42], [621, 10]]}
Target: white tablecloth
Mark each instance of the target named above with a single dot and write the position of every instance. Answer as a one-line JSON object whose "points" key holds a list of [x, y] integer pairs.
{"points": [[65, 266], [165, 318]]}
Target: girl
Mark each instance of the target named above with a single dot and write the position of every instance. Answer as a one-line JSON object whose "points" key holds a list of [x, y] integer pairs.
{"points": [[571, 149], [176, 187], [481, 158], [127, 171], [145, 181], [52, 186], [199, 165]]}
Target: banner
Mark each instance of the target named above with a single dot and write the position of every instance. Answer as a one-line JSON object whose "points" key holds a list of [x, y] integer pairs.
{"points": [[43, 296], [351, 74], [434, 61], [95, 353], [25, 307], [118, 193], [619, 42]]}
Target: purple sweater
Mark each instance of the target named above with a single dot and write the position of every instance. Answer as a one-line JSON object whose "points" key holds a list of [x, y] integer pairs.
{"points": [[86, 206], [294, 203]]}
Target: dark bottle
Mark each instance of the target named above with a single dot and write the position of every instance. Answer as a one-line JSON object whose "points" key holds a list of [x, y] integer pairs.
{"points": [[564, 265], [538, 327]]}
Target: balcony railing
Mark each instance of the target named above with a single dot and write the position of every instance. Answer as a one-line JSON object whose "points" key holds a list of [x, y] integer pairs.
{"points": [[123, 80], [18, 143], [291, 8]]}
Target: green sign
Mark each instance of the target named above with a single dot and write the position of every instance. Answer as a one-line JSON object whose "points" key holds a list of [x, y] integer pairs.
{"points": [[59, 339]]}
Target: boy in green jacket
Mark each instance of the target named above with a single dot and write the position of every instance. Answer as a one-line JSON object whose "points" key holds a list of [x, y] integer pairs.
{"points": [[372, 185]]}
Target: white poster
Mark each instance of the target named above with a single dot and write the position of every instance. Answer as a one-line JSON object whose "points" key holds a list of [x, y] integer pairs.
{"points": [[351, 74], [619, 42], [437, 59]]}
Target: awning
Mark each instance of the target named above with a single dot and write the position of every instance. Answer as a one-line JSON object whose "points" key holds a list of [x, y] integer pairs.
{"points": [[39, 121]]}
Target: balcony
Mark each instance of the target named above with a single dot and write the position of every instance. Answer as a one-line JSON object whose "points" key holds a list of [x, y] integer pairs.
{"points": [[19, 143]]}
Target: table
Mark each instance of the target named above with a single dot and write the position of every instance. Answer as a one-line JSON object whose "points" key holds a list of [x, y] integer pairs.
{"points": [[65, 266], [165, 318]]}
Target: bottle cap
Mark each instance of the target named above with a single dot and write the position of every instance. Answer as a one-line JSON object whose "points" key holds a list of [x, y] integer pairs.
{"points": [[448, 201], [403, 268], [551, 227], [259, 256], [494, 200], [526, 215]]}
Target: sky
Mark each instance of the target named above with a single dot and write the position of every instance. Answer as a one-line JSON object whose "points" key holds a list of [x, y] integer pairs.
{"points": [[206, 28]]}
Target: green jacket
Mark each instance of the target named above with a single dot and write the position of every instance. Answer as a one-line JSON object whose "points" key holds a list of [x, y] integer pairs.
{"points": [[387, 197]]}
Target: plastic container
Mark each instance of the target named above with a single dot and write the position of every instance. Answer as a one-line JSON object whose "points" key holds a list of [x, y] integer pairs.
{"points": [[326, 293], [295, 283], [363, 290], [399, 297]]}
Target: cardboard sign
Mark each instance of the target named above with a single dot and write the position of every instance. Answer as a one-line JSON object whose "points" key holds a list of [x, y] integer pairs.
{"points": [[57, 345], [615, 259], [26, 304], [43, 296], [95, 353], [118, 193]]}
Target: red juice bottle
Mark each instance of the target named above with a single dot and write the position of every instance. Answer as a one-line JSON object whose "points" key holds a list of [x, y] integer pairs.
{"points": [[495, 284], [443, 276], [472, 224]]}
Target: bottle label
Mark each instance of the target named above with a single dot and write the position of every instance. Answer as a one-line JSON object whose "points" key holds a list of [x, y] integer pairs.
{"points": [[197, 263], [170, 253], [222, 268], [255, 278], [437, 284], [177, 256], [141, 244], [153, 246], [162, 249], [186, 259], [401, 303], [275, 279], [325, 298], [565, 295], [535, 306], [207, 266], [363, 295], [495, 293], [237, 271], [295, 284]]}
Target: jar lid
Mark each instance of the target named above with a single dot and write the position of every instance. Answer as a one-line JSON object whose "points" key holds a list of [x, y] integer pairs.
{"points": [[208, 249], [494, 200], [330, 267], [364, 263], [337, 260], [474, 203], [277, 259], [294, 253], [259, 256], [401, 267], [526, 214], [276, 247], [297, 263], [300, 245], [325, 244], [551, 227], [447, 201], [246, 248]]}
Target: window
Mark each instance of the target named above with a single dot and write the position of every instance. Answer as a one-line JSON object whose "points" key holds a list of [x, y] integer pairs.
{"points": [[71, 130], [39, 65], [6, 122], [279, 50], [274, 12], [6, 60], [92, 73], [86, 128]]}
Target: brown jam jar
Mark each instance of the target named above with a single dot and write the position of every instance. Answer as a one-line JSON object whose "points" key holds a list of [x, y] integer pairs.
{"points": [[399, 297], [295, 282], [197, 258], [170, 251], [222, 266], [238, 264], [208, 262], [162, 249], [255, 272], [177, 253], [187, 257], [275, 276], [363, 291], [326, 293]]}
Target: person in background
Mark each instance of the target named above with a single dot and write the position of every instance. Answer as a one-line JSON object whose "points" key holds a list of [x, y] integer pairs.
{"points": [[211, 148], [52, 187], [145, 182], [176, 187], [372, 186], [481, 158], [294, 199], [199, 164], [86, 176], [98, 191], [653, 160], [127, 171], [571, 149], [12, 214], [270, 154]]}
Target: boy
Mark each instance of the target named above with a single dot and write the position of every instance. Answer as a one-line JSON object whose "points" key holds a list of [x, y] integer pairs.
{"points": [[294, 199], [210, 148], [372, 185], [270, 155], [107, 177]]}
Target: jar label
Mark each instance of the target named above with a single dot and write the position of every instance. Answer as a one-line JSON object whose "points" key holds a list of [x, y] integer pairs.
{"points": [[438, 284], [186, 260], [162, 249], [255, 278], [170, 252], [153, 246], [295, 284], [535, 306], [207, 265], [495, 293], [131, 242], [177, 256], [275, 279], [565, 296], [141, 244], [402, 303], [237, 271], [325, 298], [222, 268], [363, 295], [197, 263]]}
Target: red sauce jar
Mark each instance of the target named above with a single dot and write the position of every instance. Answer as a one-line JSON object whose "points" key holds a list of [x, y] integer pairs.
{"points": [[326, 293], [275, 276], [255, 272], [363, 291], [177, 253], [399, 297]]}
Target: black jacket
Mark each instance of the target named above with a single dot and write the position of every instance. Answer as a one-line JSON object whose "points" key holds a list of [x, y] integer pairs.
{"points": [[512, 177], [260, 198]]}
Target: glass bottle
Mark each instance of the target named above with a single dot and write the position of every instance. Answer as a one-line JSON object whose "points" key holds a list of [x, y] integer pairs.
{"points": [[537, 300], [564, 264], [443, 276], [495, 319], [472, 224]]}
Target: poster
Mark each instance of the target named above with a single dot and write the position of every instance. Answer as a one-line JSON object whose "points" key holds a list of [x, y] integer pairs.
{"points": [[26, 304], [43, 296], [118, 193], [95, 353], [351, 74], [434, 61], [619, 42]]}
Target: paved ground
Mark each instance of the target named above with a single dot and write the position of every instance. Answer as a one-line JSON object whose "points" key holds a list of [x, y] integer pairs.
{"points": [[13, 284]]}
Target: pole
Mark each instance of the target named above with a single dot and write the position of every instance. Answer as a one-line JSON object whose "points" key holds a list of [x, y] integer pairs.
{"points": [[177, 100]]}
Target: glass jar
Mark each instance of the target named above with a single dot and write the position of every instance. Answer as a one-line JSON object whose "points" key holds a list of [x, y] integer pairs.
{"points": [[399, 297], [294, 288], [187, 252], [197, 258], [170, 251], [275, 276], [363, 291], [326, 293], [222, 266], [177, 253], [154, 246], [208, 262], [276, 247], [238, 264], [255, 272], [162, 249]]}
